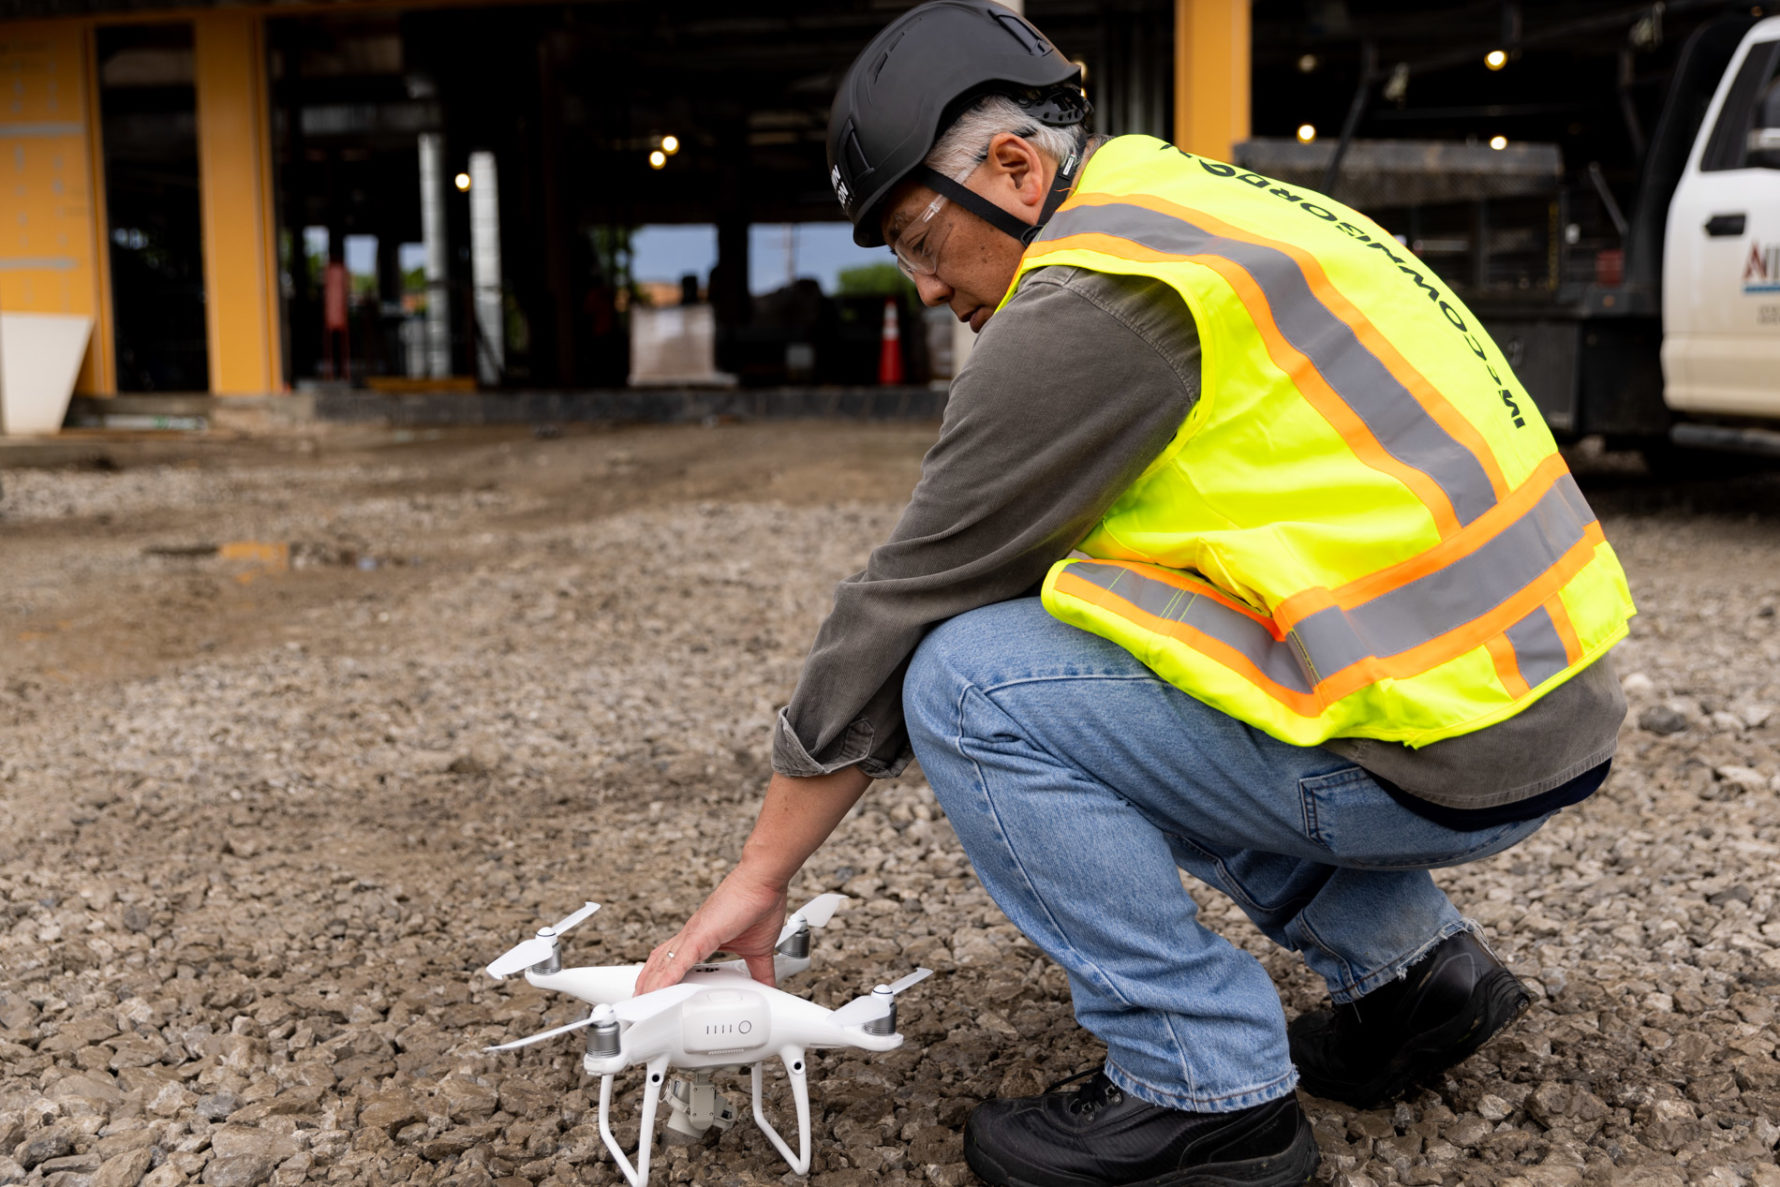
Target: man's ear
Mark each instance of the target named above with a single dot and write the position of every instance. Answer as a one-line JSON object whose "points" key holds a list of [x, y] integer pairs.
{"points": [[1013, 159]]}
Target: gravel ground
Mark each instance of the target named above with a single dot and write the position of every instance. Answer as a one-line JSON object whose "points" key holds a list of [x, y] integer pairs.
{"points": [[297, 735]]}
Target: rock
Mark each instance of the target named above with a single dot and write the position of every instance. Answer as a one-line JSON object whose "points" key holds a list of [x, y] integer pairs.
{"points": [[389, 1111], [124, 1170], [1493, 1108], [10, 1171], [172, 1100], [231, 1140], [71, 1164], [51, 1143], [1552, 1104], [466, 1099], [241, 1170], [1746, 778], [1661, 719], [165, 1175], [218, 1106]]}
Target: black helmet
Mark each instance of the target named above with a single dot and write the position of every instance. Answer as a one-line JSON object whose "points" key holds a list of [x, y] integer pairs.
{"points": [[913, 80]]}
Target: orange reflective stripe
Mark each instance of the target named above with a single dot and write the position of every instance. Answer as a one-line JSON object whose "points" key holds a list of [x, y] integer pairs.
{"points": [[1417, 384], [1302, 372], [1507, 666], [1187, 583], [1566, 630]]}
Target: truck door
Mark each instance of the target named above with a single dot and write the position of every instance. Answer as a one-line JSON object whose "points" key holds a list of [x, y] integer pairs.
{"points": [[1721, 253]]}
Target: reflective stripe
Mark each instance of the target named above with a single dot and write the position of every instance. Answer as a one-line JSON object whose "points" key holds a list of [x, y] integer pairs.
{"points": [[1538, 648], [1445, 599], [1389, 411], [1507, 666], [1350, 638], [1275, 658]]}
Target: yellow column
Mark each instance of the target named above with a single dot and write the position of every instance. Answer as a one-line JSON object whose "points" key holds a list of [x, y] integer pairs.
{"points": [[52, 233], [1211, 76], [235, 191]]}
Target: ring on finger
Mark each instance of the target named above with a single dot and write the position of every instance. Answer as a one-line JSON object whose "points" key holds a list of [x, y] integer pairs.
{"points": [[670, 956]]}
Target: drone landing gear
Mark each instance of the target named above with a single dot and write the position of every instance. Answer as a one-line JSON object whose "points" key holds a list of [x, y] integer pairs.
{"points": [[713, 1109]]}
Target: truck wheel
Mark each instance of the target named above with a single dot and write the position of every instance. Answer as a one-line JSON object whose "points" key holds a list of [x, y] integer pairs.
{"points": [[1674, 463]]}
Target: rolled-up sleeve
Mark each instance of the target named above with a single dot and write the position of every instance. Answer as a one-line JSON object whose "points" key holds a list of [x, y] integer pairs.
{"points": [[1073, 388]]}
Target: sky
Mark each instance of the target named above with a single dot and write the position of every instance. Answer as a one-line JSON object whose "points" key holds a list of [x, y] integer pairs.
{"points": [[776, 252]]}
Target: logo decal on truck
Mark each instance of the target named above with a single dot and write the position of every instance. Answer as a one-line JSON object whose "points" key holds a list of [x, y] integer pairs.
{"points": [[1761, 274]]}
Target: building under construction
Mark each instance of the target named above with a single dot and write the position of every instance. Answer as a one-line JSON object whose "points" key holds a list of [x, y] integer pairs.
{"points": [[393, 195]]}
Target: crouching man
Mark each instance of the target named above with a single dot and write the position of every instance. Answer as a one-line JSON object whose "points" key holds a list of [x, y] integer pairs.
{"points": [[1318, 609]]}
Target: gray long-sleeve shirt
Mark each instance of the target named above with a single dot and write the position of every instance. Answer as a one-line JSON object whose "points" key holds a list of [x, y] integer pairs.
{"points": [[1073, 388]]}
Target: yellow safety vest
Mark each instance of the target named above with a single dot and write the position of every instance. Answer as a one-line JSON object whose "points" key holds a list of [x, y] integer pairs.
{"points": [[1363, 528]]}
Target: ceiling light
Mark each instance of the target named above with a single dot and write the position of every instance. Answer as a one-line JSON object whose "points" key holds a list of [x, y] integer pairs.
{"points": [[1306, 133], [1306, 63], [670, 145], [1498, 142], [657, 159], [462, 182], [1496, 59]]}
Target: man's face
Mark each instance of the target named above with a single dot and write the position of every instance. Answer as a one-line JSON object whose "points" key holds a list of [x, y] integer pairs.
{"points": [[973, 262]]}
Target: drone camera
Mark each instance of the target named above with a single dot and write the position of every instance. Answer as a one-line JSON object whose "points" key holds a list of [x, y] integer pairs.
{"points": [[695, 1107]]}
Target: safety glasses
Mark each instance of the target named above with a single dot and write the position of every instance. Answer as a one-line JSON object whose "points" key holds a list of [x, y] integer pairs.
{"points": [[917, 245]]}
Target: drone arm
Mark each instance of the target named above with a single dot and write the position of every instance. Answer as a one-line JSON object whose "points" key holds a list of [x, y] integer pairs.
{"points": [[637, 1175], [800, 1094]]}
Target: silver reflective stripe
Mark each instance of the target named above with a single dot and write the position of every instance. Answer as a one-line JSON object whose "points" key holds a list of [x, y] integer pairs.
{"points": [[1400, 424], [1278, 660], [1449, 597], [1418, 612], [1538, 648]]}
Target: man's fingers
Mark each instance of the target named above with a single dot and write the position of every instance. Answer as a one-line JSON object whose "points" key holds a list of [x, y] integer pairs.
{"points": [[667, 965], [761, 969]]}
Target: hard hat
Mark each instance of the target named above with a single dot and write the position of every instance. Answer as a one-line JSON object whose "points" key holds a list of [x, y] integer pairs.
{"points": [[913, 80]]}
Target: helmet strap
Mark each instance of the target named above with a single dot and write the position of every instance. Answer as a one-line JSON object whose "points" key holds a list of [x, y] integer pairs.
{"points": [[994, 215]]}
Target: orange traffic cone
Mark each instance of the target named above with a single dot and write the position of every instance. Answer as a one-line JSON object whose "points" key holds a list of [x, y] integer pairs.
{"points": [[890, 353]]}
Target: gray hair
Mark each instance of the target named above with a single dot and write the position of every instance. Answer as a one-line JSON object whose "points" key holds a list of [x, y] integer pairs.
{"points": [[965, 144]]}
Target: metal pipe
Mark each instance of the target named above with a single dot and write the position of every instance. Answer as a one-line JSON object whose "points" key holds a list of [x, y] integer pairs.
{"points": [[1355, 110]]}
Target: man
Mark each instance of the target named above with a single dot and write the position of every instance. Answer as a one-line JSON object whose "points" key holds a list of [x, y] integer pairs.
{"points": [[1321, 610]]}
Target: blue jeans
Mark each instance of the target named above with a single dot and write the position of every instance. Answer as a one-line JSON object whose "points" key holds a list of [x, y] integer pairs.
{"points": [[1080, 784]]}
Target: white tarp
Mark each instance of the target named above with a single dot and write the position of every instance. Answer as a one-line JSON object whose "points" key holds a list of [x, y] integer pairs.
{"points": [[40, 357]]}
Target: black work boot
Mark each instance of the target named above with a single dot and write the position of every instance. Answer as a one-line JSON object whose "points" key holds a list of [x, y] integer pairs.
{"points": [[1447, 1005], [1097, 1136]]}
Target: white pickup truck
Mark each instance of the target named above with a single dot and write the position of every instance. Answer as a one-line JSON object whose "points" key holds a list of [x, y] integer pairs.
{"points": [[1675, 347], [1721, 255]]}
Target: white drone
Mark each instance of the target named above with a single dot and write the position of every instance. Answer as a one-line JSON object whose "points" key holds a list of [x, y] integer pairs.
{"points": [[717, 1017]]}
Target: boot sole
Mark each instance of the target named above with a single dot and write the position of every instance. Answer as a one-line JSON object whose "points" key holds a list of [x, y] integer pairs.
{"points": [[1504, 999], [1291, 1167]]}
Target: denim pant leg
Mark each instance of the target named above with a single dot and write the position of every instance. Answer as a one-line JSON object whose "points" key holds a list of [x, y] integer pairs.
{"points": [[1078, 782]]}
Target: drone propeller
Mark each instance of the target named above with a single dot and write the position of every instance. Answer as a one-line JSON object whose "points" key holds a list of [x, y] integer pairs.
{"points": [[815, 913], [539, 948], [632, 1010], [879, 1004]]}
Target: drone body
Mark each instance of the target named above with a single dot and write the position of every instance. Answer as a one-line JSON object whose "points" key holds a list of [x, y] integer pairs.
{"points": [[717, 1017]]}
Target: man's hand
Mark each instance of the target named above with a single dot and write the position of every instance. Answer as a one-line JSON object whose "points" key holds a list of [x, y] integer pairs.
{"points": [[746, 911], [743, 915]]}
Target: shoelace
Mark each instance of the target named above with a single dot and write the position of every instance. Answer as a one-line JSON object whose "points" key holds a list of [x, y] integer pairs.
{"points": [[1100, 1090]]}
